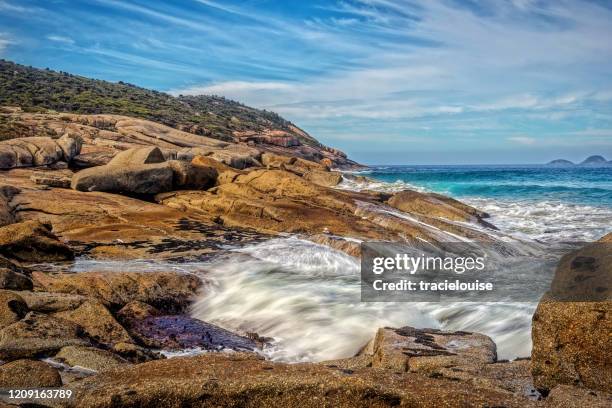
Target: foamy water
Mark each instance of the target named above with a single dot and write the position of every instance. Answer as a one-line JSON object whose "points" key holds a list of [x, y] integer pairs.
{"points": [[307, 296]]}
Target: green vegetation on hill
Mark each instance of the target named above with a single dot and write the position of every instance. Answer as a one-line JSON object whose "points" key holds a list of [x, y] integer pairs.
{"points": [[41, 89]]}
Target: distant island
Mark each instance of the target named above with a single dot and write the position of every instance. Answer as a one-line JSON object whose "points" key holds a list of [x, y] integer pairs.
{"points": [[591, 161]]}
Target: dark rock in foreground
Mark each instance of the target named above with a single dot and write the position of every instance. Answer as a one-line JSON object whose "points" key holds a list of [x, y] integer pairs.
{"points": [[184, 332]]}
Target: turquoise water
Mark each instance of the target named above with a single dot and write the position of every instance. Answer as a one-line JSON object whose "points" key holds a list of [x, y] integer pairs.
{"points": [[588, 186], [537, 202]]}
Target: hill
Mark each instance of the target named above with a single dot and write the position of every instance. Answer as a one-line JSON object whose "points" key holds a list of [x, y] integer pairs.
{"points": [[594, 161], [37, 90], [560, 162]]}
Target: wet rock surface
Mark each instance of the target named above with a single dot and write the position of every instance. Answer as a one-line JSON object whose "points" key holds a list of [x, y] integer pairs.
{"points": [[184, 332]]}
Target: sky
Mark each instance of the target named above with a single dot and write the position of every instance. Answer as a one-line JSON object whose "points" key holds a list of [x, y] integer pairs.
{"points": [[387, 81]]}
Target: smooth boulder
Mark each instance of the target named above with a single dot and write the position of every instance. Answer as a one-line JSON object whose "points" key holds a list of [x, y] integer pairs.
{"points": [[134, 179]]}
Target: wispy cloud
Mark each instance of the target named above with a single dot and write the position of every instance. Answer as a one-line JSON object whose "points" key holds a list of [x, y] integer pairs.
{"points": [[60, 39], [5, 41], [523, 140]]}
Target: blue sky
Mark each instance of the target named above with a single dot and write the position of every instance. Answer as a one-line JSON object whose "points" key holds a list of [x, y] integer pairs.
{"points": [[387, 81]]}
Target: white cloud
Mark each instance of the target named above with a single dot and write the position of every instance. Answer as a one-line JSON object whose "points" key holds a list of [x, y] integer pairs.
{"points": [[5, 41], [235, 88], [60, 39], [524, 140]]}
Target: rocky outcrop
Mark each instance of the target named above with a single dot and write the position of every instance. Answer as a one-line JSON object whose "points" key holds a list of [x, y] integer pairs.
{"points": [[112, 226], [567, 396], [572, 324], [32, 241], [168, 291], [227, 380], [435, 205], [274, 201], [24, 374], [38, 151]]}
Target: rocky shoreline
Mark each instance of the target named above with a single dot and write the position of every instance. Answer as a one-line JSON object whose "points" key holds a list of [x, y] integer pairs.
{"points": [[105, 187]]}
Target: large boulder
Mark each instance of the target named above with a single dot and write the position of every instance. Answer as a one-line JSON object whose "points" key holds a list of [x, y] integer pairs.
{"points": [[572, 324], [134, 179], [32, 241], [168, 291], [12, 308], [37, 334], [237, 379], [427, 350], [144, 171], [20, 374]]}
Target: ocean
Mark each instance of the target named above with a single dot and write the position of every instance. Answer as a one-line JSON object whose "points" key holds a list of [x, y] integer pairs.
{"points": [[539, 202], [307, 296]]}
